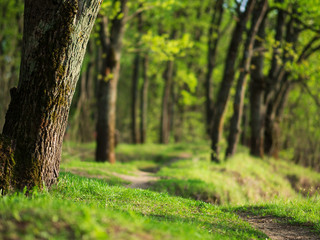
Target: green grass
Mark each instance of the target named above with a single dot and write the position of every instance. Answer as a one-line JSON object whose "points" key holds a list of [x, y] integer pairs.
{"points": [[91, 201], [304, 211], [185, 170], [82, 208]]}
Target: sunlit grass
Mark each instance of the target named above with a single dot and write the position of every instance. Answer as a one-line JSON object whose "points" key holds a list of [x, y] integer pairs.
{"points": [[91, 200], [82, 208]]}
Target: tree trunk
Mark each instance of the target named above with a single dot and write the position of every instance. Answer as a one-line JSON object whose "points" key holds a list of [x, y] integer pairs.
{"points": [[257, 18], [214, 37], [144, 100], [107, 90], [134, 103], [54, 44], [261, 88], [280, 90], [244, 140], [228, 78], [135, 88], [164, 124]]}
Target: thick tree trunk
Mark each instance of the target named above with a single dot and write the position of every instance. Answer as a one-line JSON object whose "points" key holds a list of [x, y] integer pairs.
{"points": [[164, 124], [228, 78], [54, 44], [214, 37], [144, 100], [107, 89], [257, 18]]}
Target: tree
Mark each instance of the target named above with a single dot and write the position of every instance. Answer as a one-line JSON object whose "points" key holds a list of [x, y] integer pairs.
{"points": [[228, 78], [144, 100], [107, 87], [54, 43], [257, 18], [213, 40], [135, 86]]}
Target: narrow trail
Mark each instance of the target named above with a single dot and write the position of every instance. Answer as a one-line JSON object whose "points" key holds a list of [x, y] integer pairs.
{"points": [[141, 179], [274, 228], [278, 229]]}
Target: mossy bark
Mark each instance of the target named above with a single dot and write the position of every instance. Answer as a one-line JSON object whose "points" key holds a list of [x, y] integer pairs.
{"points": [[7, 164], [54, 43]]}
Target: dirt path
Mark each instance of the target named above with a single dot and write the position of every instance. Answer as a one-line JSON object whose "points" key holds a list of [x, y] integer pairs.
{"points": [[277, 229], [141, 179]]}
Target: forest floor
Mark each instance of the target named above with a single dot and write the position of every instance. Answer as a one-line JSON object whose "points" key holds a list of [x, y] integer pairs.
{"points": [[274, 227], [167, 192]]}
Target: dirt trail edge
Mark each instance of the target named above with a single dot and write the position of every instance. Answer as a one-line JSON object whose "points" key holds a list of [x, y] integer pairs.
{"points": [[278, 229]]}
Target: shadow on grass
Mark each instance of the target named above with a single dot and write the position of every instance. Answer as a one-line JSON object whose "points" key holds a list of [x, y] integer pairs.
{"points": [[109, 180], [225, 227], [157, 158], [265, 211], [191, 188]]}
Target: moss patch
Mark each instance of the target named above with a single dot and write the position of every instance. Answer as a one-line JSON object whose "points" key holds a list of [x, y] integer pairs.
{"points": [[7, 164]]}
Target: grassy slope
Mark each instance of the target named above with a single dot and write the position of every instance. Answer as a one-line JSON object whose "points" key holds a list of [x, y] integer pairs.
{"points": [[99, 207]]}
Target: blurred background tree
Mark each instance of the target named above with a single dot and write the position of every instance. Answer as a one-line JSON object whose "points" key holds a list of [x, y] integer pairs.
{"points": [[193, 71]]}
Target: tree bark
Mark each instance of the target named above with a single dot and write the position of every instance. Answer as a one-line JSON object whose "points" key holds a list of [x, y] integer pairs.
{"points": [[54, 44], [228, 78], [107, 90], [257, 18], [144, 100], [214, 37]]}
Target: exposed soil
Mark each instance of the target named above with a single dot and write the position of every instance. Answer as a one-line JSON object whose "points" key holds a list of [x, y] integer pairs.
{"points": [[141, 179], [278, 228]]}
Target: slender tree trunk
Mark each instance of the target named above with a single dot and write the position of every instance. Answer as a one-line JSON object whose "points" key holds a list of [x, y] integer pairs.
{"points": [[244, 140], [272, 82], [278, 117], [214, 37], [257, 18], [228, 78], [107, 90], [82, 125], [134, 101], [54, 44], [172, 116], [135, 88], [144, 100], [280, 91], [261, 88], [164, 124]]}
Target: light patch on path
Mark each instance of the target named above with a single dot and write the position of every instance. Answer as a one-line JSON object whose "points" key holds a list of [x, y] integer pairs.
{"points": [[277, 229], [141, 179]]}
